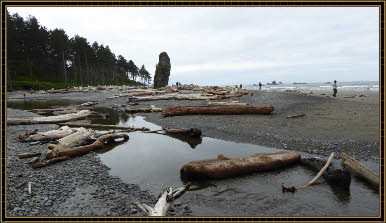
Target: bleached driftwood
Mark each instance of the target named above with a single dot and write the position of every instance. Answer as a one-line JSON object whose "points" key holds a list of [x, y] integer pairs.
{"points": [[141, 93], [152, 108], [90, 103], [359, 170], [81, 137], [296, 116], [50, 119], [101, 126], [49, 135], [74, 151], [293, 189], [164, 203], [218, 110], [178, 97], [225, 103]]}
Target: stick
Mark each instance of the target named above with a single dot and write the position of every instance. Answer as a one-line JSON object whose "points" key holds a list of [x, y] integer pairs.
{"points": [[29, 187], [28, 155], [21, 184], [48, 162], [293, 189]]}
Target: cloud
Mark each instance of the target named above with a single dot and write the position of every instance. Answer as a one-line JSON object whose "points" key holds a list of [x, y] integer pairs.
{"points": [[208, 45]]}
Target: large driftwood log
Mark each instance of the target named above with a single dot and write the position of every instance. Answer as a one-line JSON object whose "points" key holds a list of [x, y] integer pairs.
{"points": [[164, 203], [133, 109], [359, 170], [101, 126], [50, 119], [223, 167], [81, 137], [49, 135], [74, 151], [218, 110]]}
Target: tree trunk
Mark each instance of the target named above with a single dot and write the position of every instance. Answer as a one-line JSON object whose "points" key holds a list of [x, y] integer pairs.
{"points": [[50, 119], [64, 69], [81, 137], [218, 110], [359, 170], [223, 167], [100, 142], [49, 135]]}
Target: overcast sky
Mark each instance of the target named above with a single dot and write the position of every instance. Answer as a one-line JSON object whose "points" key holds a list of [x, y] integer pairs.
{"points": [[229, 45]]}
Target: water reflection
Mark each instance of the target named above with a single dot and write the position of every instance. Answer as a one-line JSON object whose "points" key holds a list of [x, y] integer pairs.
{"points": [[192, 141]]}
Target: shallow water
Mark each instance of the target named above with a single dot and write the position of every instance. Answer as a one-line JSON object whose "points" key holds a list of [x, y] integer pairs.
{"points": [[153, 162]]}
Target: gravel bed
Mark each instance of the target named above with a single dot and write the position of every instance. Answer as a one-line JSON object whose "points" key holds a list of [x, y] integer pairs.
{"points": [[80, 186]]}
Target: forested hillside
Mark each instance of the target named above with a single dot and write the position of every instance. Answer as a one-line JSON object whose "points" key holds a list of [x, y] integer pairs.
{"points": [[38, 58]]}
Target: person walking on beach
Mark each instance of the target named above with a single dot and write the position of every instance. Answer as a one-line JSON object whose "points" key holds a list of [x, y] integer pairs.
{"points": [[334, 88], [260, 86]]}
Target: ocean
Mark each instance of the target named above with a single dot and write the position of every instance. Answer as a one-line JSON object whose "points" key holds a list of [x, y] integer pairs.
{"points": [[342, 86]]}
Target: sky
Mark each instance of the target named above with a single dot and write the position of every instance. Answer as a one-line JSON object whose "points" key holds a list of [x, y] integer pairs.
{"points": [[232, 45]]}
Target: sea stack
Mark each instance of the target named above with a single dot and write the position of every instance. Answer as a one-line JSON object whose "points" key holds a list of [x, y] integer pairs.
{"points": [[162, 71]]}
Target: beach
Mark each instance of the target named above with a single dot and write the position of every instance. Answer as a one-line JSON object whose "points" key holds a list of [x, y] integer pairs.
{"points": [[340, 124]]}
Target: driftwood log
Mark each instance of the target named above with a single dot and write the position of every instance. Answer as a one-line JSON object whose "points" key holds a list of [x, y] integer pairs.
{"points": [[81, 137], [225, 103], [101, 126], [164, 203], [223, 167], [152, 108], [334, 176], [218, 110], [50, 119], [192, 132], [359, 170], [49, 162], [27, 155], [74, 151], [34, 135]]}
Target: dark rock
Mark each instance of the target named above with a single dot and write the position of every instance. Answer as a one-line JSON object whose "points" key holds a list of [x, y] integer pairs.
{"points": [[162, 71]]}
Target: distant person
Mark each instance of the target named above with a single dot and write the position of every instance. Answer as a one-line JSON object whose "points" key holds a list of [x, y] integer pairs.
{"points": [[241, 86], [334, 88], [177, 84], [260, 86]]}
